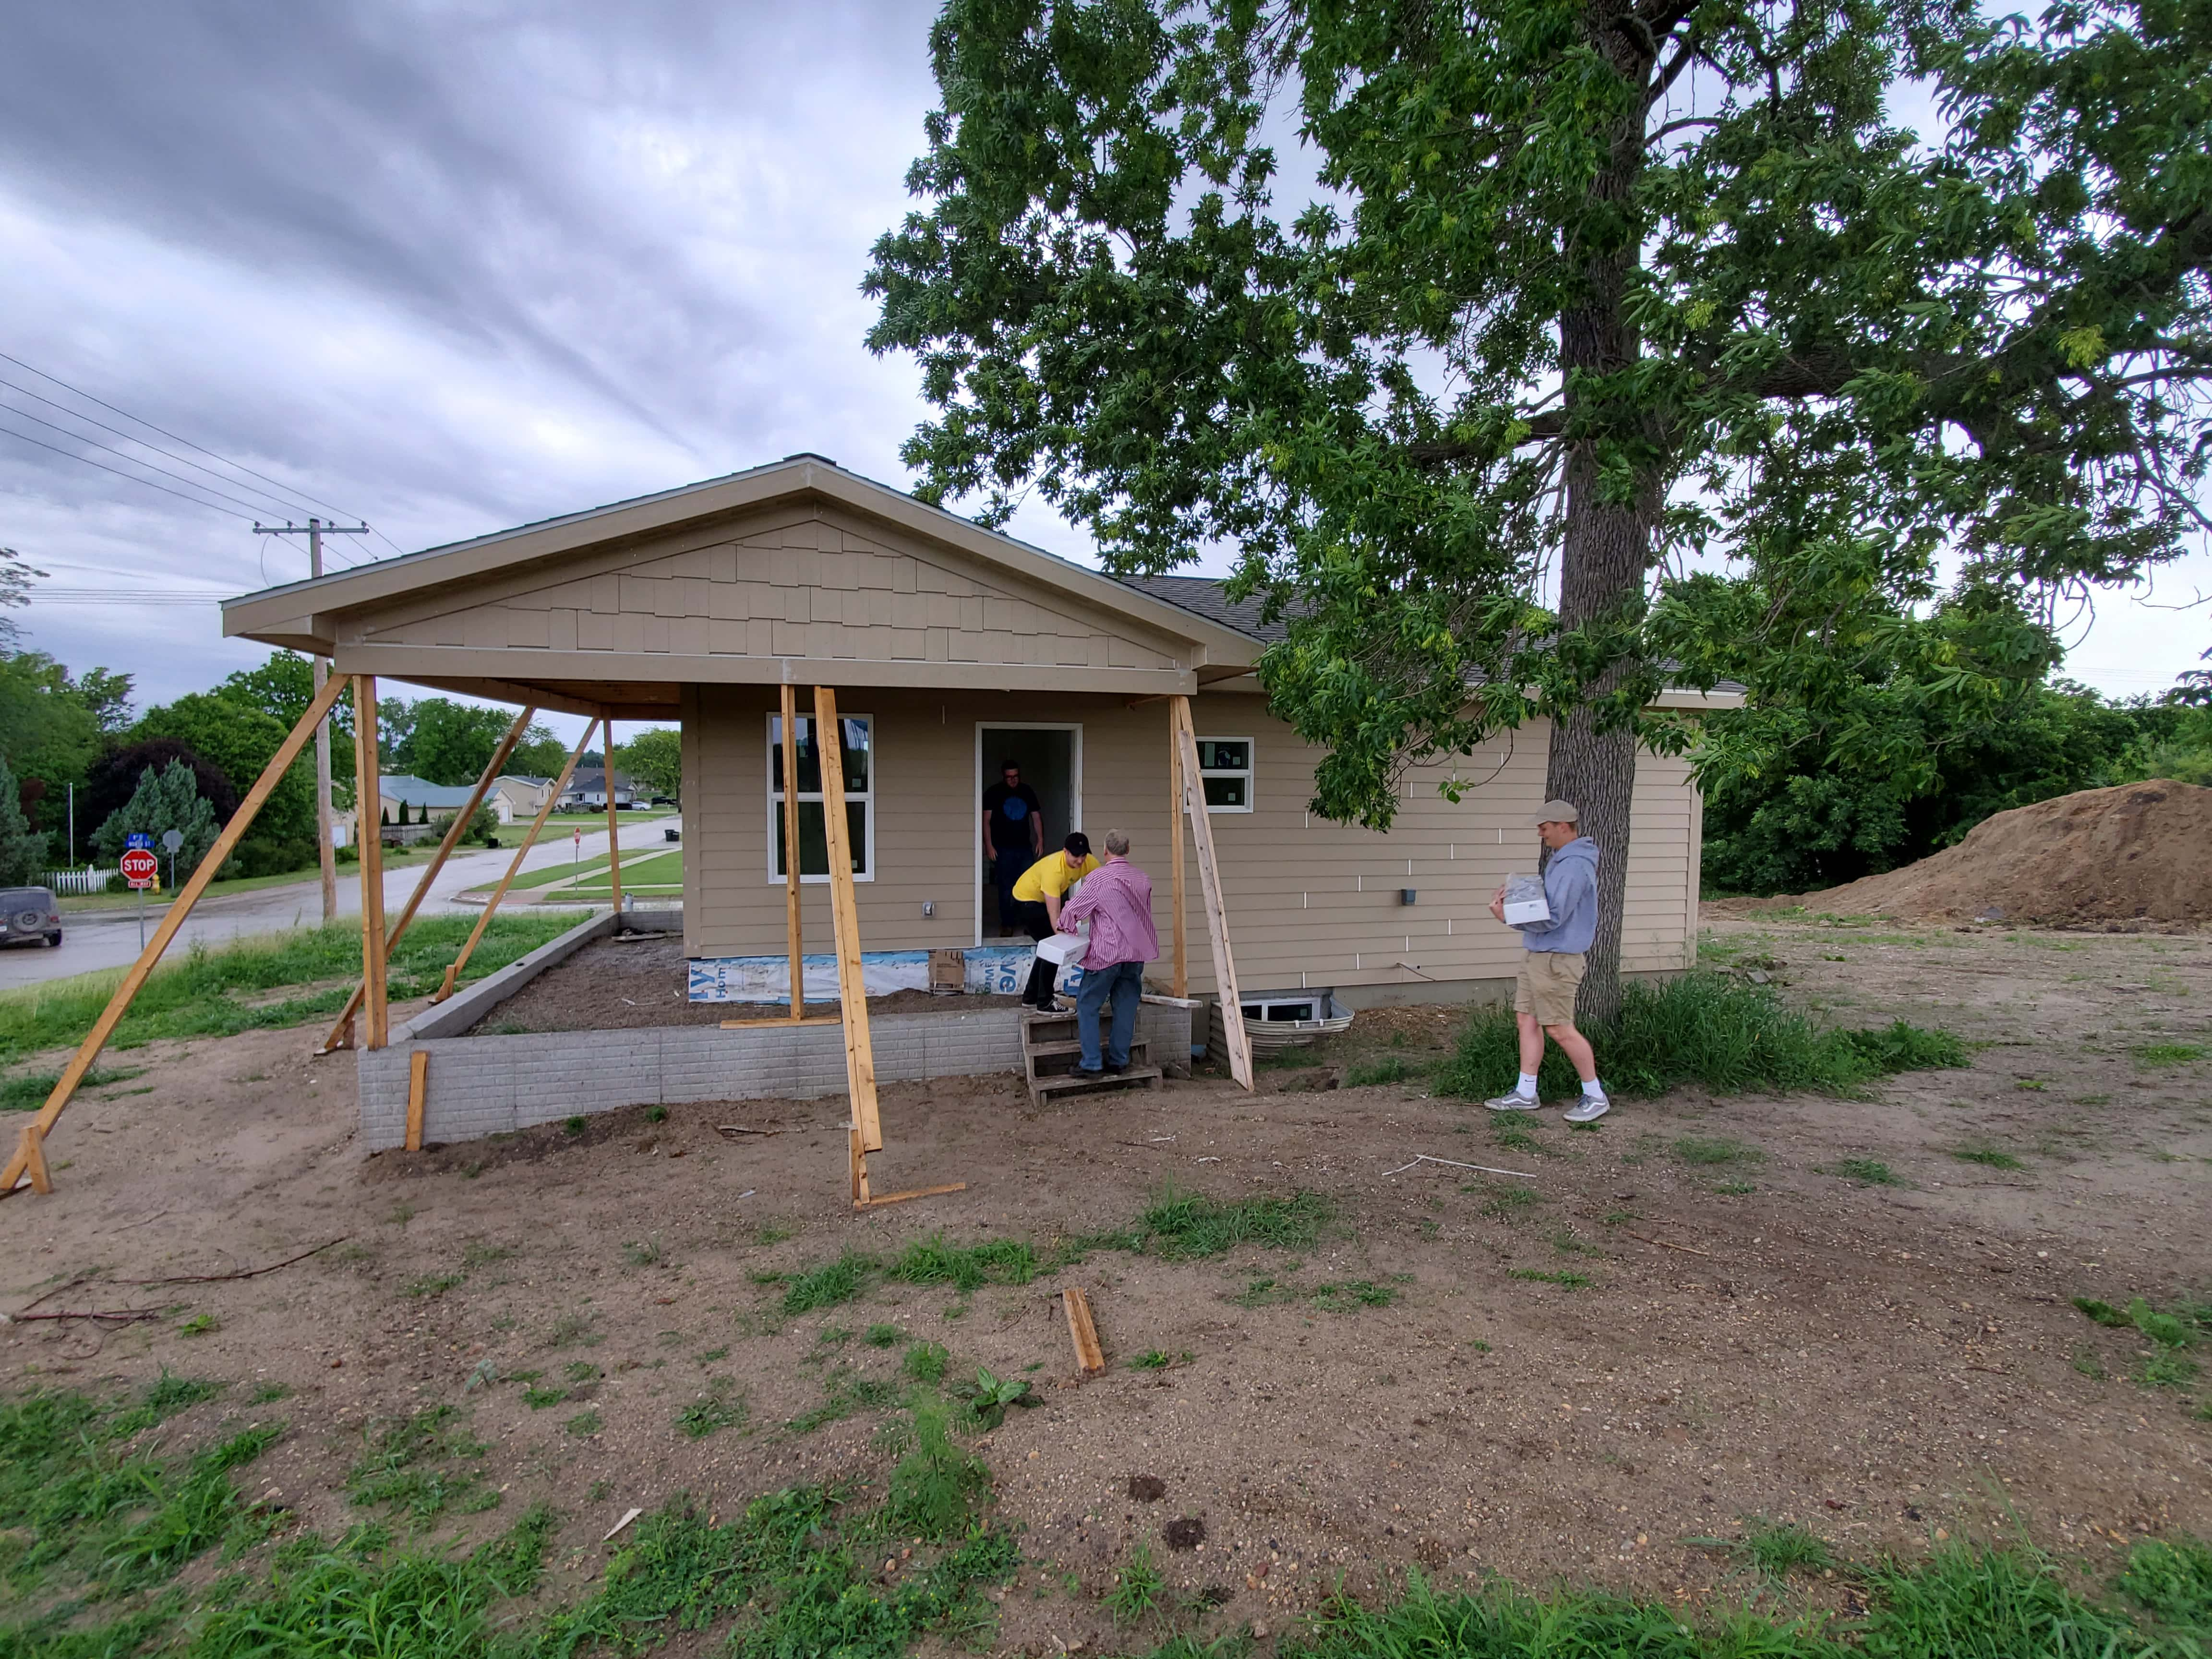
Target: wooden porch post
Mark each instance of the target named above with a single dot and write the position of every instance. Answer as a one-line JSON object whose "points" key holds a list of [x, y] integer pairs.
{"points": [[1180, 984], [614, 848], [845, 914], [514, 866], [368, 811], [29, 1148], [790, 923], [1217, 911], [340, 1034]]}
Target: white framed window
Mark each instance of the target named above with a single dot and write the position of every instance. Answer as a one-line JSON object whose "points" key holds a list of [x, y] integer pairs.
{"points": [[1224, 772], [858, 750]]}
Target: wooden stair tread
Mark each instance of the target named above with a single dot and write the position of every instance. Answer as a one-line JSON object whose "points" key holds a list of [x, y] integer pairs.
{"points": [[1067, 1080], [1074, 1046]]}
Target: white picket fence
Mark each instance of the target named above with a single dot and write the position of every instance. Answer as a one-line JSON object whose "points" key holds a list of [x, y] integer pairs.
{"points": [[77, 881]]}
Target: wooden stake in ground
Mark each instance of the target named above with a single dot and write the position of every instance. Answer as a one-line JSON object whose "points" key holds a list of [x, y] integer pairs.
{"points": [[614, 840], [791, 924], [31, 1153], [1090, 1357], [341, 1034], [369, 813], [1181, 983], [180, 909], [418, 1091], [514, 866], [845, 920], [1217, 910]]}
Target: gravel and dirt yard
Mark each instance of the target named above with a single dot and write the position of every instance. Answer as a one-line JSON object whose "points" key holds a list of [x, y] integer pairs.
{"points": [[1699, 1316]]}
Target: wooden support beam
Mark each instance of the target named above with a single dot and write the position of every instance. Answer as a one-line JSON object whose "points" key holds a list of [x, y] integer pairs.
{"points": [[1217, 910], [172, 920], [783, 1019], [790, 926], [614, 838], [515, 867], [1181, 983], [339, 1036], [1090, 1357], [845, 916], [418, 1089], [368, 809], [31, 1153], [878, 1203]]}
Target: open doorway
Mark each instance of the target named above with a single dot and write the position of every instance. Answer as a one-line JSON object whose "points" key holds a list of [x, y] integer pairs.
{"points": [[1050, 759]]}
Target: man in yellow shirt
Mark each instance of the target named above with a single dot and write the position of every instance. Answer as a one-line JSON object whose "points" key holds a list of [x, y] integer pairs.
{"points": [[1037, 897]]}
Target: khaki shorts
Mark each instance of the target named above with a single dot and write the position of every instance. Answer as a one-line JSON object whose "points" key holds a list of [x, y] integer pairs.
{"points": [[1546, 985]]}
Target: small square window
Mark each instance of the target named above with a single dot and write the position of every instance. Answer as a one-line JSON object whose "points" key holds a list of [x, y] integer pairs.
{"points": [[1224, 772]]}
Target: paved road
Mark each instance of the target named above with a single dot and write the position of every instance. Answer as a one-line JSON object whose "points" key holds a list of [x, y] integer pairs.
{"points": [[99, 940]]}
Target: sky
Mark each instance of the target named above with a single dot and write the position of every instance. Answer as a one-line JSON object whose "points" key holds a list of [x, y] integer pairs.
{"points": [[454, 267]]}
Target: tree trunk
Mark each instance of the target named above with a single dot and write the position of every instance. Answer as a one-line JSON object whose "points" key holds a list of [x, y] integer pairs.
{"points": [[1608, 545]]}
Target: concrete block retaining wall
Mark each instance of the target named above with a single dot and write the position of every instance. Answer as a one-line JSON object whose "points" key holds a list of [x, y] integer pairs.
{"points": [[484, 1085]]}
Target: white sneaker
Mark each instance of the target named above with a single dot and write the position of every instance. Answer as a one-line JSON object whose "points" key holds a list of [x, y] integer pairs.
{"points": [[1589, 1110], [1515, 1102]]}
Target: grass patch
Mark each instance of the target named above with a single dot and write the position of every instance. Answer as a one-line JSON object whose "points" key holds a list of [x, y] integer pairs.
{"points": [[1190, 1227], [881, 1336], [1868, 1171], [2153, 1055], [1707, 1029], [1380, 1068], [828, 1285], [408, 1464], [1715, 1149], [220, 992], [1353, 1293], [1562, 1277], [966, 1267], [925, 1362], [1503, 1202], [1139, 1588], [845, 1393], [722, 1407], [27, 1091], [1988, 1157], [1774, 1550]]}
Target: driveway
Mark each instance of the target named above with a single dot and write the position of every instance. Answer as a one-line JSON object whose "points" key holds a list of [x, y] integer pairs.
{"points": [[109, 938]]}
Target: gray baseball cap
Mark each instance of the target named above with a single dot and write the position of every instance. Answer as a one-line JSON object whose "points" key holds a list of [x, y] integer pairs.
{"points": [[1556, 812]]}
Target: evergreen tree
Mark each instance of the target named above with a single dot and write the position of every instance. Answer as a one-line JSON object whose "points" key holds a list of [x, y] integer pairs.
{"points": [[22, 851], [169, 799]]}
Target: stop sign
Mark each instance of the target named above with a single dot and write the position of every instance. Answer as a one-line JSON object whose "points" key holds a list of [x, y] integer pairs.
{"points": [[140, 867]]}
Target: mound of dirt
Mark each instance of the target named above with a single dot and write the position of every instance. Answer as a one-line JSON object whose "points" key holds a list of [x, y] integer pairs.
{"points": [[2140, 853]]}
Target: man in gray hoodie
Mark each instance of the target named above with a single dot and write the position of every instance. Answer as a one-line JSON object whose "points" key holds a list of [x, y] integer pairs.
{"points": [[1552, 970]]}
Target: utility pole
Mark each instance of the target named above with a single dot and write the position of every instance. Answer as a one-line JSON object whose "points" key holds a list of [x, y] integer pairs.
{"points": [[314, 530]]}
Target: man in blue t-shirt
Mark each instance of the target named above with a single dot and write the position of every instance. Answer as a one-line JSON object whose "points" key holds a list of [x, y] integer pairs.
{"points": [[1013, 838], [1553, 954]]}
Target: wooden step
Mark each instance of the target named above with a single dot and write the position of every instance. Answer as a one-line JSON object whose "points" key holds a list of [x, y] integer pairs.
{"points": [[1068, 1083], [1074, 1046]]}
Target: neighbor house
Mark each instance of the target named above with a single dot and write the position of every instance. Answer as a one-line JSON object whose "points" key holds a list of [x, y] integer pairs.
{"points": [[587, 789], [952, 649], [514, 796]]}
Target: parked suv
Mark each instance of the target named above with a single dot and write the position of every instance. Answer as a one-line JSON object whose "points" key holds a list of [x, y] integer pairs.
{"points": [[29, 912]]}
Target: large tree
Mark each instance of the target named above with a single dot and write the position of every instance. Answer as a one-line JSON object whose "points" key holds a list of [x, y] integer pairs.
{"points": [[1578, 291]]}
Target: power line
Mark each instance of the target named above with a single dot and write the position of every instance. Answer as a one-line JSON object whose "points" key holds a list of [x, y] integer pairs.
{"points": [[26, 415], [288, 505], [174, 437], [26, 438]]}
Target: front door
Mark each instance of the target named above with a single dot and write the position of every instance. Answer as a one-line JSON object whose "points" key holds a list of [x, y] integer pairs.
{"points": [[1050, 759]]}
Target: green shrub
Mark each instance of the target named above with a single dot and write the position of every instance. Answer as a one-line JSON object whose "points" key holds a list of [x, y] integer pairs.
{"points": [[1711, 1029]]}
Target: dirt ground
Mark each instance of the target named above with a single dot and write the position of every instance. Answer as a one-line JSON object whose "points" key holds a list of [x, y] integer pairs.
{"points": [[1890, 1366], [639, 979]]}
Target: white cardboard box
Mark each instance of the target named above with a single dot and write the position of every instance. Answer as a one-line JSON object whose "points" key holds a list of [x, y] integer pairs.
{"points": [[1525, 901]]}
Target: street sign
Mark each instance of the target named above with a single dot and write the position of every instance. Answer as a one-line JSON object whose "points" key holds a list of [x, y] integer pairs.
{"points": [[172, 840], [139, 841], [140, 867]]}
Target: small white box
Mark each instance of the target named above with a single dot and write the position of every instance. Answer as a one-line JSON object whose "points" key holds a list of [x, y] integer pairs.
{"points": [[1060, 949], [1525, 901]]}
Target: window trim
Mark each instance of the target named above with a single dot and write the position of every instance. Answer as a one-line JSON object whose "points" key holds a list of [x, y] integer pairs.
{"points": [[867, 796], [1248, 771]]}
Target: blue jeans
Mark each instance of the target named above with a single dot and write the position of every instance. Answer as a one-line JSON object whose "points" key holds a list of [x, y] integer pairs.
{"points": [[1125, 983]]}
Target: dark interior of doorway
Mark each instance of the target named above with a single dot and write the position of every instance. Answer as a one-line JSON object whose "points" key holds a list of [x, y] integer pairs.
{"points": [[1047, 761]]}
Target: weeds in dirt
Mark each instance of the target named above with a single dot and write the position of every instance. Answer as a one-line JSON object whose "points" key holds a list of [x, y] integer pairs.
{"points": [[883, 1336], [407, 1465], [27, 1091], [645, 1253], [2154, 1056], [583, 1424], [205, 992], [431, 1286], [1380, 1068], [1709, 1029], [1159, 1360], [1735, 1188], [936, 1486], [1139, 1588], [1990, 1158], [845, 1393], [1565, 1280], [1705, 1150], [988, 1396], [828, 1285], [163, 1399], [723, 1406], [2165, 1370], [1351, 1293], [1773, 1550], [925, 1362], [540, 1399], [1867, 1171], [1508, 1130], [2085, 1360], [1189, 1227], [1502, 1202], [966, 1267], [2171, 1580], [200, 1325], [573, 1127]]}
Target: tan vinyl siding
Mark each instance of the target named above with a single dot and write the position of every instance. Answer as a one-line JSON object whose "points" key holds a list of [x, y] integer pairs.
{"points": [[820, 584], [1310, 902]]}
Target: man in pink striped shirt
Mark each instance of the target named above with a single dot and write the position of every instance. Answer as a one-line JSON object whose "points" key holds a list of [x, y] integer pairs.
{"points": [[1117, 899]]}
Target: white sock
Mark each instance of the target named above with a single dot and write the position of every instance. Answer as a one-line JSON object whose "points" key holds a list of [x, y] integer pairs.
{"points": [[1527, 1087], [1592, 1089]]}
